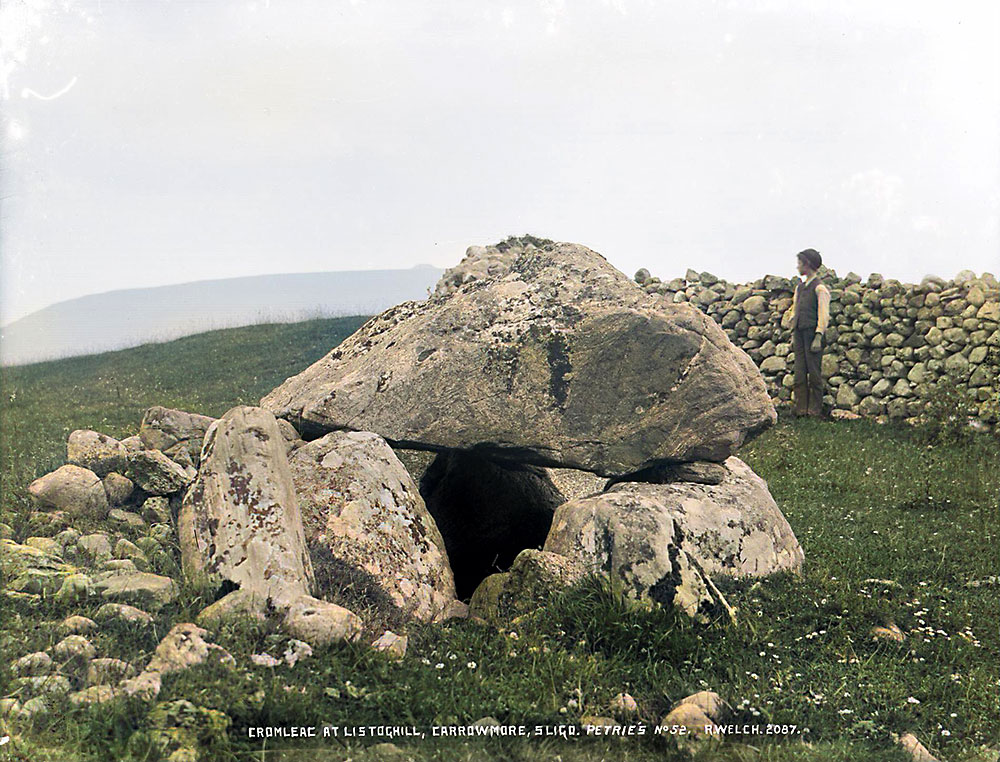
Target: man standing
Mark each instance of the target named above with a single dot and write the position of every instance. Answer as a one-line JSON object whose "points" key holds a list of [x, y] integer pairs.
{"points": [[810, 315]]}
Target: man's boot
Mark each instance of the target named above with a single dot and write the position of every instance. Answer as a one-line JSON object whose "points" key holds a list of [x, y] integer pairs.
{"points": [[800, 396]]}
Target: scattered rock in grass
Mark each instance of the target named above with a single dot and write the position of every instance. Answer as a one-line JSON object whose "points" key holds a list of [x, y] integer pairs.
{"points": [[296, 651], [48, 545], [75, 588], [9, 707], [155, 473], [182, 648], [235, 605], [179, 731], [891, 632], [126, 518], [138, 588], [123, 612], [118, 488], [709, 702], [119, 565], [30, 570], [34, 708], [623, 703], [74, 648], [68, 537], [107, 671], [76, 624], [96, 547], [95, 694], [597, 722], [391, 644], [95, 451], [72, 489], [37, 663], [42, 685], [917, 751], [321, 623], [689, 716], [265, 660]]}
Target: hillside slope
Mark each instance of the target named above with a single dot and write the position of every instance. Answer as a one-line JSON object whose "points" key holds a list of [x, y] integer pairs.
{"points": [[119, 319]]}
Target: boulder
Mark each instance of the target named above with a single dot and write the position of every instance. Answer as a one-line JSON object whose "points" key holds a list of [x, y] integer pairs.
{"points": [[118, 488], [239, 520], [107, 671], [123, 612], [733, 527], [391, 644], [95, 451], [173, 431], [143, 588], [239, 604], [155, 473], [533, 578], [555, 359], [182, 648], [487, 511], [358, 500], [73, 489], [320, 623], [633, 537]]}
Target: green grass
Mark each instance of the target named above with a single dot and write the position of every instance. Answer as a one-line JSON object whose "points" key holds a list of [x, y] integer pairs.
{"points": [[866, 502]]}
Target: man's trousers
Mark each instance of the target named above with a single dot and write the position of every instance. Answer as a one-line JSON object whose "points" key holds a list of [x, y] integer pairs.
{"points": [[808, 390]]}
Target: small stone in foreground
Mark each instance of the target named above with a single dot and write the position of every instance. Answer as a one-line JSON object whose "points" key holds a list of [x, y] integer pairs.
{"points": [[321, 623], [391, 644]]}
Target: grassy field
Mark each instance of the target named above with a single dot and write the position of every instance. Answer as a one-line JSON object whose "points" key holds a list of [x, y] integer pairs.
{"points": [[896, 530]]}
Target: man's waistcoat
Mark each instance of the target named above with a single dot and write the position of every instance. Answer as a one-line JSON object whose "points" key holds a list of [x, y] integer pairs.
{"points": [[806, 304]]}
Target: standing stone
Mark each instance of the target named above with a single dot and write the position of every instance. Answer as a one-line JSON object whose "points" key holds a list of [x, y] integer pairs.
{"points": [[555, 359], [240, 520], [359, 501]]}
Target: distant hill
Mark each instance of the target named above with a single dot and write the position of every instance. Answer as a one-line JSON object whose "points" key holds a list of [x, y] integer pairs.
{"points": [[128, 318]]}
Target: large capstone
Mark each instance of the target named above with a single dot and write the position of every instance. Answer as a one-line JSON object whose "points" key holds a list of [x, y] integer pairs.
{"points": [[550, 356], [239, 520], [487, 512], [358, 501]]}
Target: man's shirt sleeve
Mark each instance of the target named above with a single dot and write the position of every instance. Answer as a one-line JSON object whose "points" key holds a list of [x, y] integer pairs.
{"points": [[823, 298]]}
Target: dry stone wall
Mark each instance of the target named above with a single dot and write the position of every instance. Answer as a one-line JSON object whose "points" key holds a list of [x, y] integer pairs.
{"points": [[890, 345]]}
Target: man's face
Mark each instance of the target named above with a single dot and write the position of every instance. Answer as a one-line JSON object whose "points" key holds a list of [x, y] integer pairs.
{"points": [[803, 268]]}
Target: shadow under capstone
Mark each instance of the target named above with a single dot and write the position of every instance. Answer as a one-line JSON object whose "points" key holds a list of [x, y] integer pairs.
{"points": [[487, 511]]}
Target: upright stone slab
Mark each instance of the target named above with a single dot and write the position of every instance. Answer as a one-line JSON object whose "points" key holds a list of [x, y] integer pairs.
{"points": [[358, 501], [552, 357], [239, 519]]}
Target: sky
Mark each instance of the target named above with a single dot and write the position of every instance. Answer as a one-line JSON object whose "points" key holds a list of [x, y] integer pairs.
{"points": [[150, 143]]}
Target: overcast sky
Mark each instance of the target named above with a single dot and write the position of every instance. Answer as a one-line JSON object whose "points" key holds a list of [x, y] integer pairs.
{"points": [[147, 143]]}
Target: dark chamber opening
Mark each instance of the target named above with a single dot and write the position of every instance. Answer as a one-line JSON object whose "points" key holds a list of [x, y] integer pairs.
{"points": [[487, 511]]}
